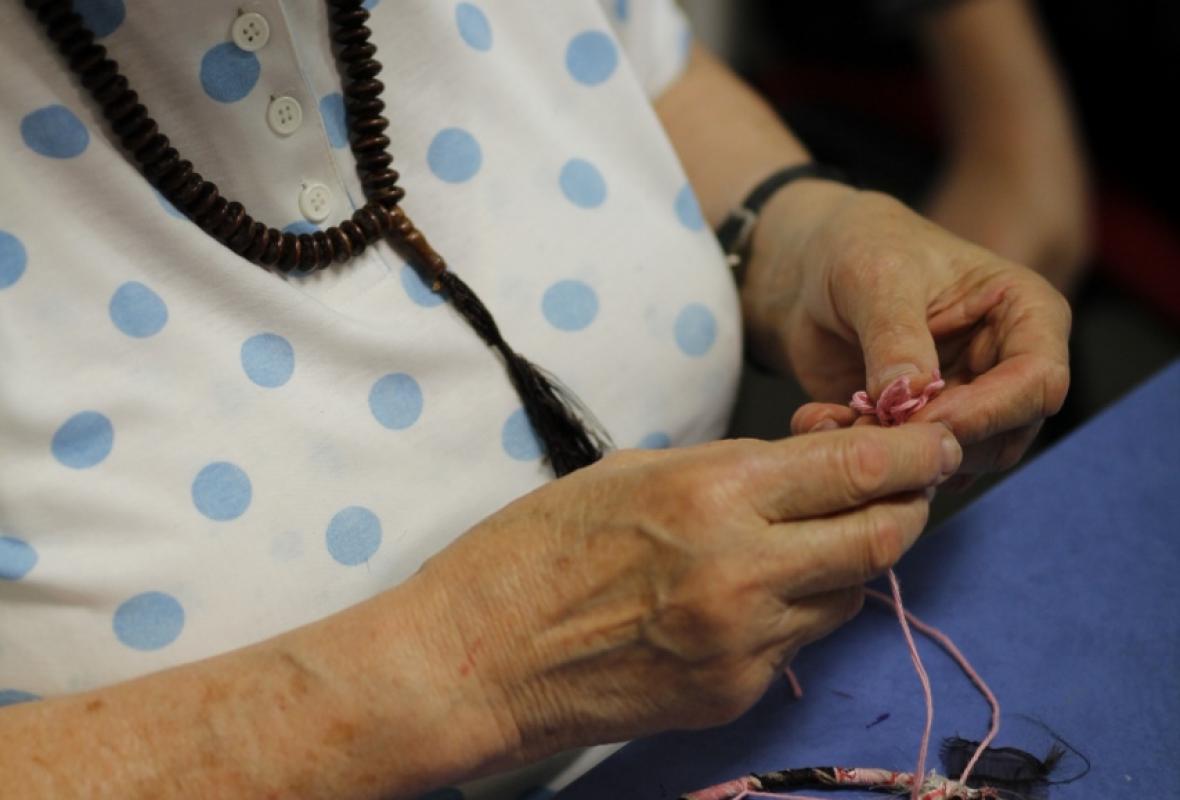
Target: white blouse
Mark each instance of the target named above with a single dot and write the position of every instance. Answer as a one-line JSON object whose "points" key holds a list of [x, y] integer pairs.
{"points": [[196, 454]]}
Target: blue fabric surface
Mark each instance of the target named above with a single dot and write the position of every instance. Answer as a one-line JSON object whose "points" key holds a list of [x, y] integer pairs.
{"points": [[1060, 585]]}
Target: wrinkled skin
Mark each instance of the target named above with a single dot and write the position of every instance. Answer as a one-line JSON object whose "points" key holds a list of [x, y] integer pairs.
{"points": [[658, 590], [873, 291]]}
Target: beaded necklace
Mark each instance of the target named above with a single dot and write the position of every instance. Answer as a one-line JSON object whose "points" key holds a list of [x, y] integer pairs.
{"points": [[568, 433]]}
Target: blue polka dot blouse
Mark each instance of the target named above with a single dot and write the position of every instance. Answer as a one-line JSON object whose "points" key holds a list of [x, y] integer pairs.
{"points": [[196, 454]]}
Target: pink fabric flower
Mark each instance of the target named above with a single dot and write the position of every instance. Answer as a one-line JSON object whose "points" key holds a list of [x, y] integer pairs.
{"points": [[898, 402]]}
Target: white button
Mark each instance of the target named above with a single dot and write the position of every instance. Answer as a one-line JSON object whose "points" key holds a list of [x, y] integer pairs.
{"points": [[284, 115], [315, 201], [251, 31]]}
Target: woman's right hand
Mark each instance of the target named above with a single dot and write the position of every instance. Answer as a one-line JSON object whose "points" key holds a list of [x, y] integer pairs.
{"points": [[660, 590], [650, 591]]}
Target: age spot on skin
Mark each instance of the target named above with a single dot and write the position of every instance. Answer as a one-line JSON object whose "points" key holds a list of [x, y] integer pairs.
{"points": [[339, 733]]}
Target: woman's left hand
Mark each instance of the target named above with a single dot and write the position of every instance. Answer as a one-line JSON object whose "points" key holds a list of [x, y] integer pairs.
{"points": [[850, 289]]}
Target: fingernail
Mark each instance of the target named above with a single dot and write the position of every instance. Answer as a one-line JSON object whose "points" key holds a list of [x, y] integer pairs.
{"points": [[930, 492], [952, 456], [890, 374], [825, 424]]}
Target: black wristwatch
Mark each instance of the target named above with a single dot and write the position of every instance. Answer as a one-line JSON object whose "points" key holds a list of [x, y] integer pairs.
{"points": [[737, 229]]}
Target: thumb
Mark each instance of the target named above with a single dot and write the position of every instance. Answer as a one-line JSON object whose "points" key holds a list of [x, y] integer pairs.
{"points": [[894, 335]]}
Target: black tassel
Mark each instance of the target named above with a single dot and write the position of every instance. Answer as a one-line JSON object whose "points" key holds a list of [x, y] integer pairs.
{"points": [[571, 440], [1010, 770]]}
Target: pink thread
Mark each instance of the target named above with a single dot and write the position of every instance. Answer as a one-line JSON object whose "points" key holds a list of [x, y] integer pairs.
{"points": [[896, 405], [923, 678], [898, 402], [946, 644], [793, 682]]}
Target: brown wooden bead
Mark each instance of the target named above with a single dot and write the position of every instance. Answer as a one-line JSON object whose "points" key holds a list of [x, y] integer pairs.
{"points": [[364, 89], [207, 196], [243, 237], [188, 192], [231, 221], [171, 183], [358, 52], [155, 147], [85, 58], [374, 160], [110, 91], [119, 107], [288, 252], [369, 143], [368, 224], [355, 237], [164, 163], [140, 134], [358, 108], [340, 244], [212, 217], [369, 126], [323, 249], [259, 240], [382, 214], [414, 244], [306, 252], [270, 254]]}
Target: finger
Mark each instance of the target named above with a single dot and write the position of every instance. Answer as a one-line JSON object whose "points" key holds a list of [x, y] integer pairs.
{"points": [[1019, 392], [822, 555], [807, 619], [998, 453], [811, 417], [809, 476], [1031, 374], [963, 307], [888, 313]]}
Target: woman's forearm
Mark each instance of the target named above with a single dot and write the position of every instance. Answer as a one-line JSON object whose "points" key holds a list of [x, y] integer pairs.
{"points": [[727, 137], [997, 83], [1016, 181], [367, 703]]}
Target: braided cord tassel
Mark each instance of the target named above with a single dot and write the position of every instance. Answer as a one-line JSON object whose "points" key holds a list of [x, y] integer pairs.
{"points": [[571, 440]]}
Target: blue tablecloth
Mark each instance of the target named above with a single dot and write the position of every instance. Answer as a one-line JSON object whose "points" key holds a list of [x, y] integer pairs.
{"points": [[1061, 585]]}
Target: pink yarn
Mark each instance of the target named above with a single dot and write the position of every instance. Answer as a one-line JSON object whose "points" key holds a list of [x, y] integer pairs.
{"points": [[946, 644], [898, 402], [923, 678], [793, 682]]}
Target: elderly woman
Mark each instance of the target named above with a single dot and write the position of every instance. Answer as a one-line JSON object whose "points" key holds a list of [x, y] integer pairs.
{"points": [[293, 532]]}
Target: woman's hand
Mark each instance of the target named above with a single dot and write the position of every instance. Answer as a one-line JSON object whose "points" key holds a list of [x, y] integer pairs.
{"points": [[851, 289], [660, 590]]}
